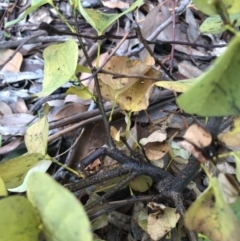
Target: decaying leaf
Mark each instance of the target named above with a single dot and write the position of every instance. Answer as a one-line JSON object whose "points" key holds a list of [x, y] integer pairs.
{"points": [[156, 150], [232, 137], [230, 188], [36, 137], [212, 216], [161, 221], [198, 136]]}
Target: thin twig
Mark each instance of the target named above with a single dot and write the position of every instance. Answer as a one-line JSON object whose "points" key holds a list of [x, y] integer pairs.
{"points": [[142, 40], [111, 192]]}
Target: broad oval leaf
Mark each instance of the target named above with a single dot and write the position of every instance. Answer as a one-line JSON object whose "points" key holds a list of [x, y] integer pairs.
{"points": [[36, 137], [214, 24], [101, 21], [208, 6], [60, 65], [19, 220], [212, 216], [62, 215], [13, 171], [41, 166], [141, 183], [216, 92]]}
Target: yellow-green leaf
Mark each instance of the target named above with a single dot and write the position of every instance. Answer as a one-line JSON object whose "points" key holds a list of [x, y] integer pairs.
{"points": [[62, 215], [60, 65], [36, 137], [178, 86], [3, 190], [19, 220], [82, 92], [13, 171], [83, 69], [141, 183], [101, 21], [232, 137], [214, 24], [212, 216], [216, 92], [40, 166], [208, 6]]}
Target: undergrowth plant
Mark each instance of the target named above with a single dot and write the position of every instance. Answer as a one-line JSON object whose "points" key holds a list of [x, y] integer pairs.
{"points": [[50, 208]]}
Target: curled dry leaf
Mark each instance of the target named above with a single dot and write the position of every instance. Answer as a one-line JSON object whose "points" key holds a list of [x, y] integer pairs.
{"points": [[162, 221], [5, 109], [198, 136], [120, 65], [156, 136], [14, 64], [156, 150], [192, 149], [229, 187], [115, 4]]}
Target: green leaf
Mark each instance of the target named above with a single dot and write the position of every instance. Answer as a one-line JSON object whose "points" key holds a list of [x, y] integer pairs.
{"points": [[13, 171], [62, 215], [60, 65], [208, 6], [214, 24], [178, 86], [82, 92], [40, 166], [36, 137], [101, 21], [3, 190], [212, 216], [236, 208], [141, 183], [19, 221], [217, 91], [83, 69], [35, 5]]}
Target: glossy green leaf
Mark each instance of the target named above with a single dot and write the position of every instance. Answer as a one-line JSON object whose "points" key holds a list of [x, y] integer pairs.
{"points": [[13, 171], [60, 65], [214, 24], [19, 220], [62, 215], [36, 137], [217, 91], [101, 21]]}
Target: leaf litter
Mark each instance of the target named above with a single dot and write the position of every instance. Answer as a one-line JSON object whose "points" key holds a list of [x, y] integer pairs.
{"points": [[139, 97]]}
